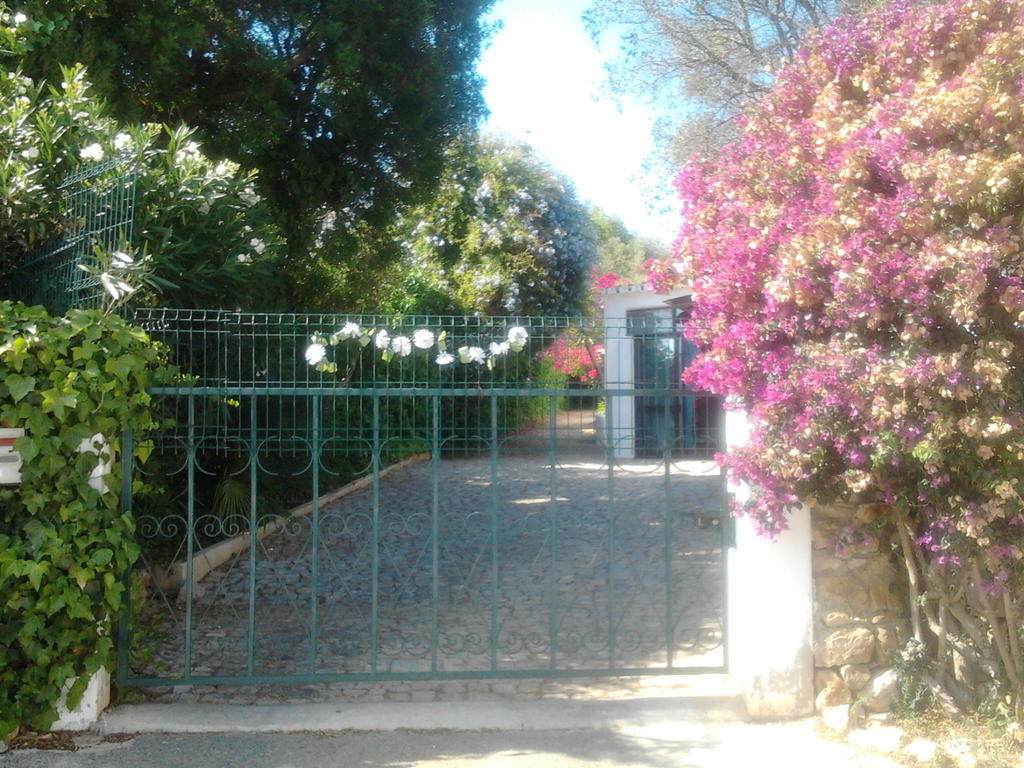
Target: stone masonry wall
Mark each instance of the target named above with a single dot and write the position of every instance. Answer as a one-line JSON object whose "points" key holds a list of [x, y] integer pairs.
{"points": [[859, 617]]}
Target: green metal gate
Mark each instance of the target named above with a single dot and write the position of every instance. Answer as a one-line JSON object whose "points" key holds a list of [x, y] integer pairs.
{"points": [[387, 513]]}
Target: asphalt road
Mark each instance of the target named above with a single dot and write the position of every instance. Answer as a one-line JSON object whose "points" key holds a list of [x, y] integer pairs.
{"points": [[794, 745]]}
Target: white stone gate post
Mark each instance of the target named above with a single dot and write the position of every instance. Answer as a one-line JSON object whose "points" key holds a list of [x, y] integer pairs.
{"points": [[770, 627]]}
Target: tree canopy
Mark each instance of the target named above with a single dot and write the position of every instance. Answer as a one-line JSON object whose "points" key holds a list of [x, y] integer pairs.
{"points": [[504, 235], [621, 251], [711, 59], [344, 104]]}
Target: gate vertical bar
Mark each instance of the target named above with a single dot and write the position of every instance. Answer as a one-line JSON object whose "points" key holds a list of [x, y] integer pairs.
{"points": [[493, 647], [609, 419], [435, 505], [727, 538], [552, 530], [315, 533], [669, 439], [375, 576], [250, 649], [190, 515], [123, 636]]}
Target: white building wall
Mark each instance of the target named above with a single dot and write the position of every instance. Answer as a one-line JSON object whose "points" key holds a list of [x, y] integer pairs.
{"points": [[618, 358]]}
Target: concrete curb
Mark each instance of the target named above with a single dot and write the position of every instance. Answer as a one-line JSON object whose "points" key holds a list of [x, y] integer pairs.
{"points": [[424, 716]]}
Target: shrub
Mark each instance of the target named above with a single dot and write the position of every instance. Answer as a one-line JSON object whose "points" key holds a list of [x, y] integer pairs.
{"points": [[64, 544], [857, 266], [206, 231]]}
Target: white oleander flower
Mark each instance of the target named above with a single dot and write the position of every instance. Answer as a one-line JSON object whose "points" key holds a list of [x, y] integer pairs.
{"points": [[121, 259], [382, 339], [350, 331], [92, 152], [499, 349], [517, 337], [19, 18], [243, 258], [423, 339], [401, 346], [445, 358], [31, 153], [116, 287], [257, 245], [471, 355], [122, 141], [315, 353], [248, 195]]}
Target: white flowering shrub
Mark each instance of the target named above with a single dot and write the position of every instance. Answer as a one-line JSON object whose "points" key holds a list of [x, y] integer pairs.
{"points": [[198, 222], [503, 235], [392, 345]]}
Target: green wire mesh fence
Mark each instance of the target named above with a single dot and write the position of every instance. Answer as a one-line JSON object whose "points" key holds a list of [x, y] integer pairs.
{"points": [[246, 371], [404, 498], [98, 219]]}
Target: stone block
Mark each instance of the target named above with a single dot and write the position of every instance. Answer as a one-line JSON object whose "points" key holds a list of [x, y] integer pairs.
{"points": [[842, 592], [824, 678], [822, 540], [856, 676], [888, 642], [95, 699], [836, 693], [836, 718], [882, 595], [854, 645], [877, 697], [838, 619]]}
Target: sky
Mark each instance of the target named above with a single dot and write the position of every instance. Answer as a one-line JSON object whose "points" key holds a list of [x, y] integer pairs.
{"points": [[546, 87]]}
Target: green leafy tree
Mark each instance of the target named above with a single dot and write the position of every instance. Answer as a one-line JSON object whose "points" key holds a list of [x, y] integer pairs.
{"points": [[200, 223], [504, 235], [346, 104], [621, 251]]}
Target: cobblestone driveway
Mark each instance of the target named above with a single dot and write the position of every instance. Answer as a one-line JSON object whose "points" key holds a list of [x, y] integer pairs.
{"points": [[566, 566]]}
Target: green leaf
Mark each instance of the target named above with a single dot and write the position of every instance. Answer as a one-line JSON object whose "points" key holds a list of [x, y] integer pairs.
{"points": [[102, 557], [28, 447], [35, 573], [55, 401], [123, 366], [80, 575], [19, 386]]}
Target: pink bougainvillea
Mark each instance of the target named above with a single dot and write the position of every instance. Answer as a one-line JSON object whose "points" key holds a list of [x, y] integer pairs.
{"points": [[859, 280], [578, 359]]}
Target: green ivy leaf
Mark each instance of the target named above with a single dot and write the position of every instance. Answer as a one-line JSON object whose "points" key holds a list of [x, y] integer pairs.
{"points": [[35, 573], [28, 447], [102, 557], [19, 385], [55, 401], [124, 366]]}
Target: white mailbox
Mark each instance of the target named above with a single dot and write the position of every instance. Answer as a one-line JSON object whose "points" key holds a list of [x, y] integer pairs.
{"points": [[10, 459]]}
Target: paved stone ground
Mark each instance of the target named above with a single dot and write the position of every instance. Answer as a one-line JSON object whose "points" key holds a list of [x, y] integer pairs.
{"points": [[569, 566], [662, 745]]}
